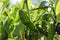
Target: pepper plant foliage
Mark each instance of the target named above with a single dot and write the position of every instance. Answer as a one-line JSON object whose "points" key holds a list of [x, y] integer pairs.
{"points": [[23, 22]]}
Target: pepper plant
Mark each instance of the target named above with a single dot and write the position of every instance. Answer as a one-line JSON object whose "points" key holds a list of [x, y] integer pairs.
{"points": [[23, 22]]}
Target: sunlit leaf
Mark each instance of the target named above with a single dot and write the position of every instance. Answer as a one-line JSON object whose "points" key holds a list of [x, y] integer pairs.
{"points": [[58, 10]]}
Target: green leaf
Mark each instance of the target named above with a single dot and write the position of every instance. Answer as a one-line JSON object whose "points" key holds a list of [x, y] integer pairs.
{"points": [[19, 30], [58, 8], [7, 25], [58, 11]]}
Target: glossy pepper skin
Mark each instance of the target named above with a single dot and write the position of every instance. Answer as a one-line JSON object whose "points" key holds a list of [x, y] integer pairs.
{"points": [[25, 19], [58, 28], [44, 4]]}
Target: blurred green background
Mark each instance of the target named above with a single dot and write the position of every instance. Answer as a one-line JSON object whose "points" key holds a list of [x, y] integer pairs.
{"points": [[29, 19]]}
